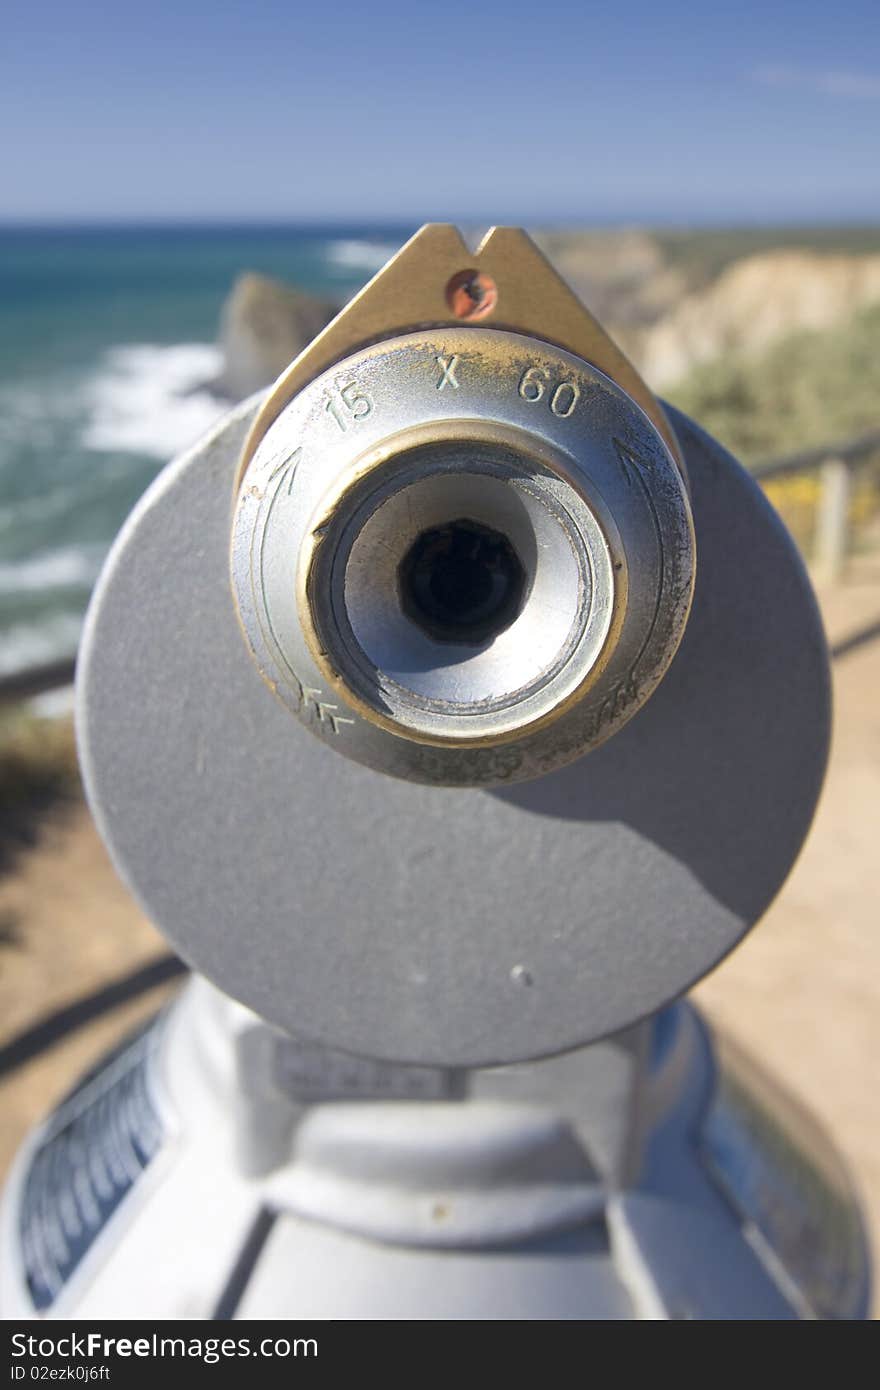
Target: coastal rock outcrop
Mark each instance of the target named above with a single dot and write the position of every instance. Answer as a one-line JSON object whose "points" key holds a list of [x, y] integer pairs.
{"points": [[264, 325]]}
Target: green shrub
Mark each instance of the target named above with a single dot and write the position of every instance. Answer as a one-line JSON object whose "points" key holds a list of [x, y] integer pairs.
{"points": [[809, 389]]}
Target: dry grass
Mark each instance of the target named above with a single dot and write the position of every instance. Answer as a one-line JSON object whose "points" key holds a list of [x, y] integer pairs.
{"points": [[38, 770]]}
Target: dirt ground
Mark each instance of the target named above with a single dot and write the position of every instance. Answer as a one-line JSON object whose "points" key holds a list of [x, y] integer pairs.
{"points": [[802, 993]]}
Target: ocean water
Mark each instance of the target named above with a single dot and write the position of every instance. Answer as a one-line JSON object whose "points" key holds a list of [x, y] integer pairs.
{"points": [[106, 336]]}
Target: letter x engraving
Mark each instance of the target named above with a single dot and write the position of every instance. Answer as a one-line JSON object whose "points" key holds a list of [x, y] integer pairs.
{"points": [[447, 367]]}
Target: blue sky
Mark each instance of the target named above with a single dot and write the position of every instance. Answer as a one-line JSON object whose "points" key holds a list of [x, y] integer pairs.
{"points": [[541, 111]]}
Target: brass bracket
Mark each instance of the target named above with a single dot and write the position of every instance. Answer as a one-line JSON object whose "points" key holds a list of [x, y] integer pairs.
{"points": [[425, 286]]}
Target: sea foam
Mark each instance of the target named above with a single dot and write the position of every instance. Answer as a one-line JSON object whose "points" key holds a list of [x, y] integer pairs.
{"points": [[366, 256], [24, 645], [70, 567], [148, 399]]}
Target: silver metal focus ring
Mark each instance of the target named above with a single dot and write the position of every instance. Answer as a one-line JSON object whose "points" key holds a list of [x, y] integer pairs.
{"points": [[462, 555], [433, 688]]}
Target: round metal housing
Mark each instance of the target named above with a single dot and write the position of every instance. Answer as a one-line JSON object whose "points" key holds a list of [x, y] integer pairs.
{"points": [[462, 556], [434, 925]]}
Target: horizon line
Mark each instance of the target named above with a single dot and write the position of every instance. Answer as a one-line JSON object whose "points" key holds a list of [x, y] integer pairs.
{"points": [[376, 225]]}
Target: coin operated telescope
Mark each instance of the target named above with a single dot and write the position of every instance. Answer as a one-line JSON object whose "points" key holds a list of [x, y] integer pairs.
{"points": [[452, 708]]}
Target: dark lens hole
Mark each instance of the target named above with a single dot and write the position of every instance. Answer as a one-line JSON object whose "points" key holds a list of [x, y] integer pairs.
{"points": [[462, 582]]}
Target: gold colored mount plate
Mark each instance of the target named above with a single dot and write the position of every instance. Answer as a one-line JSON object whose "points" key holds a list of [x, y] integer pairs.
{"points": [[413, 291]]}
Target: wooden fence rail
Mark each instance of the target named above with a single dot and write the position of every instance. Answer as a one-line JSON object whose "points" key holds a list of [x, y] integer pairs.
{"points": [[835, 464]]}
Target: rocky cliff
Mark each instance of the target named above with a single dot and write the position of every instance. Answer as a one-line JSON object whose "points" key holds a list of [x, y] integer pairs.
{"points": [[753, 304], [264, 325]]}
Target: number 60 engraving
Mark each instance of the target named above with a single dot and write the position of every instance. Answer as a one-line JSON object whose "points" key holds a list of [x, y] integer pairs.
{"points": [[563, 396]]}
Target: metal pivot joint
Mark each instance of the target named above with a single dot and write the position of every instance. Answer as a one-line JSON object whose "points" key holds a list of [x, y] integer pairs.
{"points": [[463, 554]]}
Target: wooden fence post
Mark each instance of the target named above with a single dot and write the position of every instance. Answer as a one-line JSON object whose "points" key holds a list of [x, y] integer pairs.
{"points": [[832, 520]]}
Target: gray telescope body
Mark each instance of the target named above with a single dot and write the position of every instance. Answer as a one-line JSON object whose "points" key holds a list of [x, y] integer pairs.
{"points": [[441, 925], [438, 1070]]}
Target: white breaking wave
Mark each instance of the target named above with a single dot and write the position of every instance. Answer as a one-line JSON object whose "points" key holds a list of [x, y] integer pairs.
{"points": [[53, 704], [30, 644], [360, 255], [146, 399], [72, 566]]}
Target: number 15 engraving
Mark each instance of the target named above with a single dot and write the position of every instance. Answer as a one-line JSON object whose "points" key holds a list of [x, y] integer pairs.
{"points": [[348, 404]]}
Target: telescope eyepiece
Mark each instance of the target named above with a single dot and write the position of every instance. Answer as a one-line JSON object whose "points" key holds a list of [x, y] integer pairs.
{"points": [[468, 583]]}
